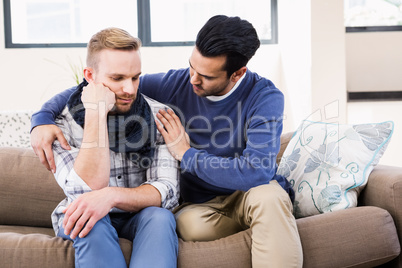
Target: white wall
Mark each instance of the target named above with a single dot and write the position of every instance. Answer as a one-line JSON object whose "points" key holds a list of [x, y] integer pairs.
{"points": [[29, 77], [314, 64], [312, 43], [36, 74], [328, 60], [295, 47], [374, 61]]}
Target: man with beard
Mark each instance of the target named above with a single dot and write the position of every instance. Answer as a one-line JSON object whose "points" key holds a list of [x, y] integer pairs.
{"points": [[118, 175]]}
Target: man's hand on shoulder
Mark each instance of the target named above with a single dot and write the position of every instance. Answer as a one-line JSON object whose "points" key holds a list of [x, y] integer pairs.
{"points": [[42, 138], [173, 132]]}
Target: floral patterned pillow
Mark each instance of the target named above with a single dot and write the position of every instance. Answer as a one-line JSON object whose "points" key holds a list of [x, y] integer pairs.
{"points": [[329, 164], [14, 129]]}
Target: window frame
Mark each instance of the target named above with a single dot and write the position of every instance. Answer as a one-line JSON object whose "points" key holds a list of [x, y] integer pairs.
{"points": [[8, 34], [372, 28], [359, 29], [144, 29]]}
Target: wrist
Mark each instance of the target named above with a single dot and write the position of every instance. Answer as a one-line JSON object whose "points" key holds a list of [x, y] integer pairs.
{"points": [[110, 194], [95, 113], [95, 118], [178, 155], [95, 130]]}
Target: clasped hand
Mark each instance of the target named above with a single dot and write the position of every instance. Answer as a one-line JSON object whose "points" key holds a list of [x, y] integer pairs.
{"points": [[82, 214]]}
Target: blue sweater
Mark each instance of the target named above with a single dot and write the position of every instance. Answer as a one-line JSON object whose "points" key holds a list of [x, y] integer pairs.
{"points": [[234, 141]]}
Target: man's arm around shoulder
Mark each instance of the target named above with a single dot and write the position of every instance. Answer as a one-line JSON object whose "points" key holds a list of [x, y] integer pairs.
{"points": [[44, 131]]}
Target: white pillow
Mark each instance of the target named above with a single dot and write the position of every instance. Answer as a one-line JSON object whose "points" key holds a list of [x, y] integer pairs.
{"points": [[329, 164], [14, 129]]}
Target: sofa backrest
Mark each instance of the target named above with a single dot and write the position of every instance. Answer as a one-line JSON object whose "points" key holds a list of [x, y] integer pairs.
{"points": [[285, 139], [28, 191]]}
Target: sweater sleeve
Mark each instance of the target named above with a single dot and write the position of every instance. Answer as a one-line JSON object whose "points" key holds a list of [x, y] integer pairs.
{"points": [[164, 86], [256, 164], [150, 85], [51, 109]]}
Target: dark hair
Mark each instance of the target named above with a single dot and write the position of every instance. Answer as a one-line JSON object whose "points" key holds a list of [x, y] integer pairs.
{"points": [[230, 36]]}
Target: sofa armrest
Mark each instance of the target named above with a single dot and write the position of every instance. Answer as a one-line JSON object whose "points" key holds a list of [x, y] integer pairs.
{"points": [[384, 190]]}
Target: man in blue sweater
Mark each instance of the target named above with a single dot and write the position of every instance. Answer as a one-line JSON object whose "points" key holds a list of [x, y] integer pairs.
{"points": [[233, 118]]}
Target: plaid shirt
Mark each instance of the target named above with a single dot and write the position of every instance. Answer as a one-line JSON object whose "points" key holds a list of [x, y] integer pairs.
{"points": [[162, 173]]}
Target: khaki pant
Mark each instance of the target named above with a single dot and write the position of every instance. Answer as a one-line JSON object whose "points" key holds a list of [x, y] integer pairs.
{"points": [[266, 209]]}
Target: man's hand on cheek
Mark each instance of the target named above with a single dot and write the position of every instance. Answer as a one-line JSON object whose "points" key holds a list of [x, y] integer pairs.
{"points": [[96, 96]]}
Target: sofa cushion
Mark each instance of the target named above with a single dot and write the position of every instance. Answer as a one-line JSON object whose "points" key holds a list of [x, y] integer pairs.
{"points": [[28, 192], [232, 252], [34, 250], [27, 247], [329, 164], [366, 235], [356, 237]]}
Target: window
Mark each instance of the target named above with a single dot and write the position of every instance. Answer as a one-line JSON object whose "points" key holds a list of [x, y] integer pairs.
{"points": [[71, 23], [63, 23], [373, 15], [177, 22]]}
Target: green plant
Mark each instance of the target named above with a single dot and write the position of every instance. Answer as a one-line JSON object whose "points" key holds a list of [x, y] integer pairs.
{"points": [[76, 70]]}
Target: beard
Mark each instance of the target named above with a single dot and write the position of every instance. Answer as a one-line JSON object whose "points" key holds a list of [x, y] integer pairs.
{"points": [[216, 91], [122, 107]]}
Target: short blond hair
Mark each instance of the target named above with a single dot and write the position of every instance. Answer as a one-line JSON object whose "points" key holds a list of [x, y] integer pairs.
{"points": [[110, 38]]}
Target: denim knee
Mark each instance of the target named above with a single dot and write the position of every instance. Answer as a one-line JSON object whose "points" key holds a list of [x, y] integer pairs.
{"points": [[157, 216], [103, 233], [155, 232], [100, 248]]}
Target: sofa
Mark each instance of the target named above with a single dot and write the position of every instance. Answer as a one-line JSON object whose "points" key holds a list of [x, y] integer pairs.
{"points": [[368, 235]]}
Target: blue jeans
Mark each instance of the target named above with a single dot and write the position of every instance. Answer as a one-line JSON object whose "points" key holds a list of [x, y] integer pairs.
{"points": [[152, 231]]}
